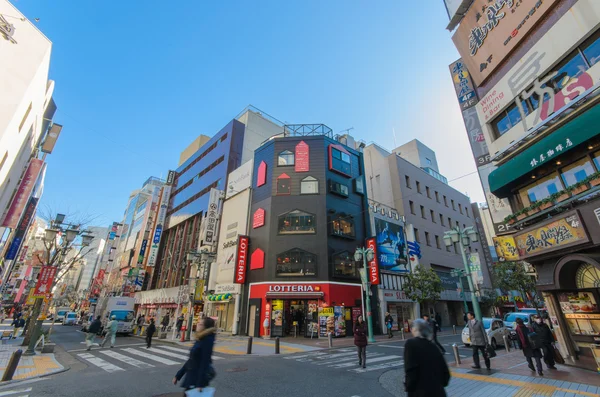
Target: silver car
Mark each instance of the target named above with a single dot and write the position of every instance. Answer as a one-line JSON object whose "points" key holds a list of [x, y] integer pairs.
{"points": [[495, 330]]}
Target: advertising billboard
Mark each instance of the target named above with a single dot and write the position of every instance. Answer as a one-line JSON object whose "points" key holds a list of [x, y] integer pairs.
{"points": [[241, 262], [23, 193], [160, 222], [391, 245], [240, 179]]}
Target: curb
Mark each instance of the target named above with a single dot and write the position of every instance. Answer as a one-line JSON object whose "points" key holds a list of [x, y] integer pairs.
{"points": [[15, 381]]}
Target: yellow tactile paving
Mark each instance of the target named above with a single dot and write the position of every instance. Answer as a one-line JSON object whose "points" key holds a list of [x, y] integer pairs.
{"points": [[42, 365], [527, 389]]}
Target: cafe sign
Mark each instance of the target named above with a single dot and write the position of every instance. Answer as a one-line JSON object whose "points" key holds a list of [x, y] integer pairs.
{"points": [[556, 234], [506, 248]]}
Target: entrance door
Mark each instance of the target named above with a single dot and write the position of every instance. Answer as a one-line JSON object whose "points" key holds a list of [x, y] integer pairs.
{"points": [[252, 325], [254, 317]]}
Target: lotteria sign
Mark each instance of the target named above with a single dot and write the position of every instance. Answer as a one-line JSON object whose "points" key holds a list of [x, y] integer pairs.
{"points": [[241, 262], [294, 288], [374, 278]]}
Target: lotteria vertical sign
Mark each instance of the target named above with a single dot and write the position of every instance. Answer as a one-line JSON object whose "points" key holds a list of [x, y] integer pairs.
{"points": [[374, 278], [241, 261]]}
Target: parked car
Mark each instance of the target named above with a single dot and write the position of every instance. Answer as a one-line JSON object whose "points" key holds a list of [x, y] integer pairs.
{"points": [[70, 318], [495, 330], [525, 314]]}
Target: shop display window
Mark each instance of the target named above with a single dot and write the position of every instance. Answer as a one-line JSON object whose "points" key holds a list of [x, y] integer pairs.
{"points": [[296, 262], [344, 265], [297, 222], [285, 158], [343, 227], [581, 312]]}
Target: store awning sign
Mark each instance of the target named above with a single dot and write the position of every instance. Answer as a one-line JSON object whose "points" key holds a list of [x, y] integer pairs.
{"points": [[241, 262], [374, 278]]}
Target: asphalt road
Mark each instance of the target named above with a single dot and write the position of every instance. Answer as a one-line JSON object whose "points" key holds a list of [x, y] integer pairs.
{"points": [[132, 370]]}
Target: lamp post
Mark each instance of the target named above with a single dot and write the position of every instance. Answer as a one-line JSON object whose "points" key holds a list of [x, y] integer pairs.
{"points": [[464, 238], [202, 259], [460, 273], [366, 255]]}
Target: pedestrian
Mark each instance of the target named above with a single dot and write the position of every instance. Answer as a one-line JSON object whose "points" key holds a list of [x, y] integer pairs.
{"points": [[198, 370], [165, 322], [149, 333], [179, 324], [529, 349], [93, 329], [111, 332], [425, 369], [547, 340], [438, 320], [360, 341], [16, 324], [434, 329], [389, 323], [479, 341], [140, 323]]}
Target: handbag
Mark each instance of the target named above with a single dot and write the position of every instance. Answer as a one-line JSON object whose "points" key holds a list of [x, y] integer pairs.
{"points": [[557, 356], [206, 392], [389, 325], [490, 351]]}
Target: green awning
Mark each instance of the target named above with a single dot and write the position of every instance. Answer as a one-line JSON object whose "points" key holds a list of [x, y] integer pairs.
{"points": [[567, 137]]}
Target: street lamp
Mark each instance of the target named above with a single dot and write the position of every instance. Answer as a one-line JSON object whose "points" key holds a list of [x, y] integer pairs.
{"points": [[366, 255], [464, 238]]}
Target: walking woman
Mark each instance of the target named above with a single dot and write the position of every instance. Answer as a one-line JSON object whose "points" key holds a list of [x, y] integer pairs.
{"points": [[198, 370], [149, 333], [529, 351], [360, 340], [426, 371]]}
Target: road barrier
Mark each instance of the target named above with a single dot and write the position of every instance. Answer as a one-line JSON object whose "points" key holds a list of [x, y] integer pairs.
{"points": [[12, 365], [277, 345], [456, 355], [330, 337], [249, 351]]}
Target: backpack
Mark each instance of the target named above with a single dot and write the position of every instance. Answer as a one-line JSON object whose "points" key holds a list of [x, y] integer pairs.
{"points": [[534, 339]]}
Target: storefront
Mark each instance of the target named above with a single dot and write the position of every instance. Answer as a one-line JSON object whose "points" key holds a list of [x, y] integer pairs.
{"points": [[161, 302], [400, 308], [306, 309]]}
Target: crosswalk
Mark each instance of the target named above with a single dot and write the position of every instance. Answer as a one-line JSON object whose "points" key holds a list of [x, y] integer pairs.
{"points": [[17, 392], [122, 359], [346, 359]]}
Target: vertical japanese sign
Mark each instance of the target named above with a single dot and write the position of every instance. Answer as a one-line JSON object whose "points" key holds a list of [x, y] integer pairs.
{"points": [[463, 85], [160, 221], [23, 192], [475, 267], [208, 234], [142, 251], [45, 281], [302, 163], [374, 278], [21, 229], [241, 260]]}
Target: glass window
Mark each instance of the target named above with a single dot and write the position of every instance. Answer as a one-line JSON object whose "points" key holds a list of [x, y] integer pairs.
{"points": [[344, 265], [417, 237], [338, 188], [412, 207], [343, 227], [442, 220], [427, 239], [418, 187], [285, 158], [437, 242], [453, 207], [422, 212], [577, 172], [445, 201], [340, 161], [591, 49], [460, 208], [297, 222], [573, 67], [437, 197], [309, 185], [597, 160], [407, 179], [541, 189], [428, 192], [284, 185], [432, 214], [122, 315], [296, 262]]}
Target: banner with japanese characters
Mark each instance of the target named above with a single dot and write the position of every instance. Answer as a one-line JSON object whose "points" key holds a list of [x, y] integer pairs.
{"points": [[45, 281], [506, 248]]}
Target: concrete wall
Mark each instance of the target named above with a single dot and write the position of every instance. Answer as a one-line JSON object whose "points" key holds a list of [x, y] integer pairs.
{"points": [[258, 129], [192, 148], [418, 154]]}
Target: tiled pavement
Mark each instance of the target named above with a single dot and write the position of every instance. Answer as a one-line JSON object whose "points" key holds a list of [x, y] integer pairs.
{"points": [[29, 366]]}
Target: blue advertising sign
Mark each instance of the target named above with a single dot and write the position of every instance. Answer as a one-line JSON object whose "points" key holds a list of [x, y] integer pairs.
{"points": [[14, 248], [157, 234], [391, 246]]}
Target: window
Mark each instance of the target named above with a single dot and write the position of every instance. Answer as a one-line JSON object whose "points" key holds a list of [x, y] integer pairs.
{"points": [[597, 159], [284, 185], [412, 207], [437, 197], [460, 208], [418, 187], [338, 188], [445, 201], [309, 185], [442, 220], [437, 242], [467, 211], [509, 118], [427, 239], [3, 160], [407, 179], [296, 262], [417, 237], [455, 248], [344, 265], [432, 214], [340, 160], [343, 227], [577, 171], [427, 191], [428, 161], [25, 117], [541, 189], [464, 226], [423, 212], [453, 207], [297, 222], [457, 224], [285, 158], [449, 222], [591, 49]]}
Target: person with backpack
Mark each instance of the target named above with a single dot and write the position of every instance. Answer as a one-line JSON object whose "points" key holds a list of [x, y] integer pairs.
{"points": [[530, 343], [149, 333]]}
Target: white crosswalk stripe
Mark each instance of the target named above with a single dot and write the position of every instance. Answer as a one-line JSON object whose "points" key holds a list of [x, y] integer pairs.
{"points": [[126, 359], [346, 359], [179, 356], [185, 352], [152, 357], [105, 365], [16, 393], [377, 367]]}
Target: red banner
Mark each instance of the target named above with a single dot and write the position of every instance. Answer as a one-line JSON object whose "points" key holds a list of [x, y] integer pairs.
{"points": [[45, 281], [374, 278], [258, 218], [241, 262], [302, 157], [22, 196]]}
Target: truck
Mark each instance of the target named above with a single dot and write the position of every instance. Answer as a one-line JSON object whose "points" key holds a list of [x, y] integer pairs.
{"points": [[119, 306], [60, 313]]}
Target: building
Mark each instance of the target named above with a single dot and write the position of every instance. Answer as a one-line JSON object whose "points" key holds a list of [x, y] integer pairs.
{"points": [[91, 262], [26, 130], [307, 217], [535, 110], [430, 207]]}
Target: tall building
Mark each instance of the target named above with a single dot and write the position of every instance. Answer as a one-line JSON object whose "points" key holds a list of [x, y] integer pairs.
{"points": [[529, 100], [91, 262]]}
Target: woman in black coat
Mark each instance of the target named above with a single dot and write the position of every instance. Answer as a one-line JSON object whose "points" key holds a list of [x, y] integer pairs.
{"points": [[528, 350], [198, 369], [149, 333], [426, 371], [360, 341]]}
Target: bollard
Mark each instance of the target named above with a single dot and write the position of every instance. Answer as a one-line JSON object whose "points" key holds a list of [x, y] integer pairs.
{"points": [[402, 333], [249, 351], [454, 329], [456, 355], [506, 343], [277, 345], [12, 365], [330, 337]]}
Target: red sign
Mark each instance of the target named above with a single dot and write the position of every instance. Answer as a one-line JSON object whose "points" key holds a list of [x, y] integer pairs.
{"points": [[373, 265], [257, 259], [302, 157], [241, 261], [22, 196], [259, 218], [45, 281], [261, 175]]}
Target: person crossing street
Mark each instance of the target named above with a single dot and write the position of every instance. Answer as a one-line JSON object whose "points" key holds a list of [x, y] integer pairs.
{"points": [[93, 329], [179, 324], [111, 332], [434, 329], [149, 333]]}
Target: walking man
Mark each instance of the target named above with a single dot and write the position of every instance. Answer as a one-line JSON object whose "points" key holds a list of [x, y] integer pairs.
{"points": [[546, 338], [389, 322], [179, 324], [165, 322], [149, 333], [434, 329], [140, 323], [479, 341], [93, 329], [111, 332]]}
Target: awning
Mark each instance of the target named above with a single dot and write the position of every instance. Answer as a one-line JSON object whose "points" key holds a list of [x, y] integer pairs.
{"points": [[565, 138], [295, 295], [219, 298]]}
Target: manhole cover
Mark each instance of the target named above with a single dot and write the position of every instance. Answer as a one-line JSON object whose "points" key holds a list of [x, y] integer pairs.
{"points": [[236, 369]]}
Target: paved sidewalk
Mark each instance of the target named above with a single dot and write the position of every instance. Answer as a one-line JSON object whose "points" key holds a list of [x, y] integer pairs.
{"points": [[29, 366]]}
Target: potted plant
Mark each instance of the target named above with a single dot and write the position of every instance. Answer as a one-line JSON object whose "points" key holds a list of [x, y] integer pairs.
{"points": [[534, 208], [546, 203], [579, 187], [561, 196], [511, 219], [521, 214], [594, 179]]}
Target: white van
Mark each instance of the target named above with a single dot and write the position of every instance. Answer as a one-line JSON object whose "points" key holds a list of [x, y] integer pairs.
{"points": [[70, 318]]}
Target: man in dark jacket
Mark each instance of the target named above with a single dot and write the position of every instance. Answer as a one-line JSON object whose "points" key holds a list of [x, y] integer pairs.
{"points": [[93, 329], [179, 324], [360, 341], [389, 323], [149, 333], [434, 329], [165, 322], [545, 334], [198, 369]]}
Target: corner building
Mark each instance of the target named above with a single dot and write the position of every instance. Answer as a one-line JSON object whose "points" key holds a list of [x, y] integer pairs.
{"points": [[307, 217]]}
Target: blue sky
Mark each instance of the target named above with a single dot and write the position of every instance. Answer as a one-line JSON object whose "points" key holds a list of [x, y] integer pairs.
{"points": [[137, 81]]}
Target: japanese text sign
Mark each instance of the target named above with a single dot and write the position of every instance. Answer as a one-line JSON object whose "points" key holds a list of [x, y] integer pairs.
{"points": [[22, 196], [506, 248], [45, 281], [557, 234], [463, 85], [241, 262], [302, 157], [258, 219], [374, 278]]}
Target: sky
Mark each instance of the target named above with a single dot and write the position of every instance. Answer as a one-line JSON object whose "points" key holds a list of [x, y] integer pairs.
{"points": [[138, 81]]}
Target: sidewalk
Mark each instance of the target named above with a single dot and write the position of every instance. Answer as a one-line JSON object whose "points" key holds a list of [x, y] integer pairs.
{"points": [[29, 366]]}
